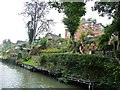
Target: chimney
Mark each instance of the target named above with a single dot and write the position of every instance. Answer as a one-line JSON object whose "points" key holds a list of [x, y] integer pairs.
{"points": [[59, 35]]}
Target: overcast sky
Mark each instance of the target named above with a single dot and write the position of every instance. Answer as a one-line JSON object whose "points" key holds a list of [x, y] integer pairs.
{"points": [[12, 25]]}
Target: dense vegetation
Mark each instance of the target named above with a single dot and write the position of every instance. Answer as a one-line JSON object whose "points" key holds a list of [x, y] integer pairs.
{"points": [[73, 12], [95, 68], [55, 54]]}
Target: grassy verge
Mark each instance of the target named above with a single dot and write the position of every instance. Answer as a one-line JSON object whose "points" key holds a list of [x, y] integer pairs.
{"points": [[31, 62]]}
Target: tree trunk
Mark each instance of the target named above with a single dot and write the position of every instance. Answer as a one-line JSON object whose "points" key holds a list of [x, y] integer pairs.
{"points": [[73, 42], [34, 20], [30, 35], [78, 46]]}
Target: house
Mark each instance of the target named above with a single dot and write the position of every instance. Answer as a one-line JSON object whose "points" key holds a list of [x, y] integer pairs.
{"points": [[87, 25], [52, 36], [94, 29], [20, 43]]}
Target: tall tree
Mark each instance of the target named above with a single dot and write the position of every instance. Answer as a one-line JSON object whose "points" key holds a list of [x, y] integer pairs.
{"points": [[111, 9], [39, 23], [73, 11], [7, 44]]}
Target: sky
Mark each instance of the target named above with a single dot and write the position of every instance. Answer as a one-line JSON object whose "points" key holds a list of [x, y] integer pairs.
{"points": [[12, 25]]}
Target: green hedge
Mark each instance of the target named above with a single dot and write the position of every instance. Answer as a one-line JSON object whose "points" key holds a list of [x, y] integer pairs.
{"points": [[117, 53], [50, 50], [92, 67]]}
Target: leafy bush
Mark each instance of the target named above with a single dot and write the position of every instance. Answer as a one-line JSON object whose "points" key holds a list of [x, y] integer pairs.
{"points": [[92, 67], [26, 56], [117, 53], [43, 41], [20, 55], [34, 51], [103, 41], [43, 60]]}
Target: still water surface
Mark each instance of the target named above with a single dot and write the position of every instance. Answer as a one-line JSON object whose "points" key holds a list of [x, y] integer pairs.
{"points": [[12, 76]]}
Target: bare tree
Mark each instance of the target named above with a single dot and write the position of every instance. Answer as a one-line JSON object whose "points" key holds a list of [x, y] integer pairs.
{"points": [[39, 23]]}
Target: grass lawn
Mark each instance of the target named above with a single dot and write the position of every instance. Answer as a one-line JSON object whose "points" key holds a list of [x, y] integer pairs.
{"points": [[31, 62]]}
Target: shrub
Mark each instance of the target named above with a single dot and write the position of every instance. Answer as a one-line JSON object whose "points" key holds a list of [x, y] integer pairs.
{"points": [[26, 56], [117, 53], [92, 67], [43, 60], [20, 55], [43, 41]]}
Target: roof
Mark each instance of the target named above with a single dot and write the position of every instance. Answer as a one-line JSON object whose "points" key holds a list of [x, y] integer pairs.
{"points": [[19, 42], [50, 35]]}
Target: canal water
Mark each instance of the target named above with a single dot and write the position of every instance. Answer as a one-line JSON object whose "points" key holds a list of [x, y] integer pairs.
{"points": [[12, 76]]}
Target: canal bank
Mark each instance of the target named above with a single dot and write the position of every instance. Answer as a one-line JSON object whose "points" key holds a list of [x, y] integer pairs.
{"points": [[73, 80], [54, 75], [13, 76]]}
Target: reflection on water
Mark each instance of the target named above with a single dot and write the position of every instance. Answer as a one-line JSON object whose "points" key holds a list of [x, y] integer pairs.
{"points": [[12, 76]]}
